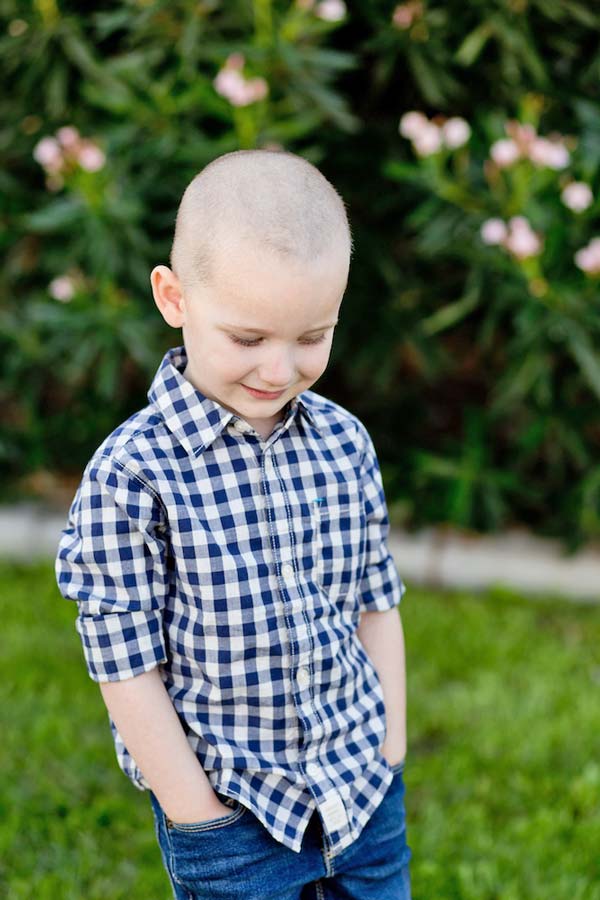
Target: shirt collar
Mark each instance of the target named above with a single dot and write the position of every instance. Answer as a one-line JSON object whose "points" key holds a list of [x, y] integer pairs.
{"points": [[193, 418]]}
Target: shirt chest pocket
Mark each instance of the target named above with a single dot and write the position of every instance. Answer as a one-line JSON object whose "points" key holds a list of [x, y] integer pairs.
{"points": [[338, 539]]}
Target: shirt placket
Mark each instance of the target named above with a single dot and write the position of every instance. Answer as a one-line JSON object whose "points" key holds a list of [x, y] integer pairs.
{"points": [[301, 646]]}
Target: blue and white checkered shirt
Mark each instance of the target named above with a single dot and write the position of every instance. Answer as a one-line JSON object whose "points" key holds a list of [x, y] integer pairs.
{"points": [[240, 567]]}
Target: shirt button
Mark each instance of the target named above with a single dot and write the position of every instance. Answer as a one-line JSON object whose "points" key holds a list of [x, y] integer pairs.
{"points": [[287, 570], [334, 812], [313, 769], [242, 426], [303, 677]]}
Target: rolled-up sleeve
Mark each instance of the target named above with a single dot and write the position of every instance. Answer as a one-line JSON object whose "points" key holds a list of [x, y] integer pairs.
{"points": [[112, 560], [380, 587]]}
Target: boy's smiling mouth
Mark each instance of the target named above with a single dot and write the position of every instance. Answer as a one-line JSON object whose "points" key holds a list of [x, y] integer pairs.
{"points": [[265, 395]]}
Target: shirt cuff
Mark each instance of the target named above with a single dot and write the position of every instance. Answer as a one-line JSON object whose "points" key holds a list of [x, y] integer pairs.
{"points": [[122, 645], [381, 587]]}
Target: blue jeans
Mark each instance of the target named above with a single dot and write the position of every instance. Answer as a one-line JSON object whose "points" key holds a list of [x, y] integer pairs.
{"points": [[235, 858]]}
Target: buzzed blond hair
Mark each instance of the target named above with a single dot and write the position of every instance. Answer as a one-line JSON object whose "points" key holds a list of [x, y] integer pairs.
{"points": [[269, 199]]}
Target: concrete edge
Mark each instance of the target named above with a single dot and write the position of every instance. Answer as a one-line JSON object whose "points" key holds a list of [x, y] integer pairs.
{"points": [[515, 560]]}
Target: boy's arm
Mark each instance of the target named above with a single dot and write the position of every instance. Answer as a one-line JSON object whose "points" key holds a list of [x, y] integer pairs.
{"points": [[382, 636], [112, 560], [380, 591], [147, 721]]}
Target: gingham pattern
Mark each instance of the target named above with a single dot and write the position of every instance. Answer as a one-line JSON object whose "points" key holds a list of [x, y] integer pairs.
{"points": [[241, 567]]}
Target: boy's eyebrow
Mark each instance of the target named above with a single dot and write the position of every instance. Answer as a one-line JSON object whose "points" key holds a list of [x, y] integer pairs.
{"points": [[258, 331]]}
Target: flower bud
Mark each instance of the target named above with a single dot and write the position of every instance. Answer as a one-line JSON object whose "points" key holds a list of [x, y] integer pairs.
{"points": [[331, 10], [412, 123], [504, 152], [62, 288], [428, 141], [577, 196], [493, 231], [456, 132]]}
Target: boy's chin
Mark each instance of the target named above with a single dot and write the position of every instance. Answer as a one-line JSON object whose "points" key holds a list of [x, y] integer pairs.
{"points": [[243, 404]]}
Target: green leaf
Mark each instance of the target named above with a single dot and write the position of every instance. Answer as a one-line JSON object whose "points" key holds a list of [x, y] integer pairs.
{"points": [[324, 58], [106, 23], [426, 78], [581, 13], [295, 127], [81, 56], [473, 44], [520, 47], [519, 381], [450, 314], [53, 217], [584, 354], [56, 90], [401, 171]]}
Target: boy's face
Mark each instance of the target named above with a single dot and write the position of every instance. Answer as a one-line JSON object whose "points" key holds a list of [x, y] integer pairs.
{"points": [[263, 325]]}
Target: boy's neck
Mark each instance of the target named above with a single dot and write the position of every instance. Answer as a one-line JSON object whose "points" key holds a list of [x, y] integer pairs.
{"points": [[265, 427]]}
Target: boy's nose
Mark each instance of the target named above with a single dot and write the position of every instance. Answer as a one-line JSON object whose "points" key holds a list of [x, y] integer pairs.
{"points": [[278, 371]]}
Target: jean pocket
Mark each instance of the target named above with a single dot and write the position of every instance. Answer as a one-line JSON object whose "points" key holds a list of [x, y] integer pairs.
{"points": [[397, 768], [199, 853], [207, 824]]}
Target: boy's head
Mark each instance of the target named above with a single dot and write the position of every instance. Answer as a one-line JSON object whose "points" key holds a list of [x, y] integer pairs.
{"points": [[260, 263]]}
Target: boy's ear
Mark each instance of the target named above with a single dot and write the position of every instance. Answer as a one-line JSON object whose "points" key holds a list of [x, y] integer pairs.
{"points": [[168, 295]]}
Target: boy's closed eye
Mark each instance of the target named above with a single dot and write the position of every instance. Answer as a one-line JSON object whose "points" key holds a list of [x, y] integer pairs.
{"points": [[255, 341]]}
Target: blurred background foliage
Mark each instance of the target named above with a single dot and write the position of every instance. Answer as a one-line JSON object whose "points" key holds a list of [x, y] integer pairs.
{"points": [[474, 361]]}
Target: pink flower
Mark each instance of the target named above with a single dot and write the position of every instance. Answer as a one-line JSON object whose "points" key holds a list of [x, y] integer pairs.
{"points": [[428, 141], [90, 157], [588, 258], [68, 136], [62, 288], [412, 123], [522, 241], [455, 132], [522, 135], [231, 83], [48, 154], [239, 91], [519, 238], [540, 150], [235, 61], [577, 196], [428, 138], [331, 10], [405, 14], [519, 223], [493, 231], [504, 152], [552, 154], [257, 89]]}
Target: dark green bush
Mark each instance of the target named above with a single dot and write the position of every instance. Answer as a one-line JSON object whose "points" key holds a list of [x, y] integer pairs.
{"points": [[476, 368]]}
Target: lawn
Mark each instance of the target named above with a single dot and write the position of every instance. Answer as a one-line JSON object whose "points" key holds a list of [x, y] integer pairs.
{"points": [[502, 775]]}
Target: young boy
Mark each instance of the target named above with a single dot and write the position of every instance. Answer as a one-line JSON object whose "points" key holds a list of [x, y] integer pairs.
{"points": [[227, 552]]}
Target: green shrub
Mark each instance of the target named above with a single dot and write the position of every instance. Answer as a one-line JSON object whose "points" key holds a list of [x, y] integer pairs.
{"points": [[477, 372]]}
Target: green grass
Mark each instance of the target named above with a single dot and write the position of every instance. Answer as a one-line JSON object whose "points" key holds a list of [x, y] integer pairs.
{"points": [[503, 771]]}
